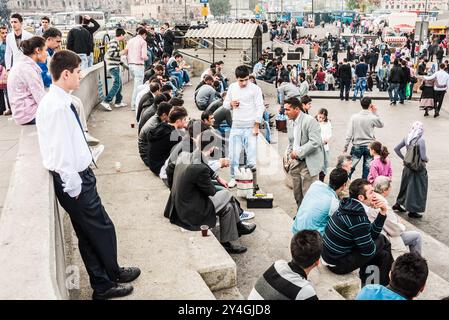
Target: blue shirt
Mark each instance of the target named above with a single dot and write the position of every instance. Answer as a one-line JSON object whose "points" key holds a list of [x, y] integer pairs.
{"points": [[378, 292], [361, 69], [46, 76], [2, 53], [318, 204]]}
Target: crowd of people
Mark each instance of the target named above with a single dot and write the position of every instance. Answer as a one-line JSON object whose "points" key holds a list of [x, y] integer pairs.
{"points": [[346, 224]]}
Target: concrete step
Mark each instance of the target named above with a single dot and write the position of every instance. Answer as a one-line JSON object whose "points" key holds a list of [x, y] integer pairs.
{"points": [[175, 263]]}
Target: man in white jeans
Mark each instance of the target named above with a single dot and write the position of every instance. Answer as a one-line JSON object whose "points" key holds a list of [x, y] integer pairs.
{"points": [[136, 51], [246, 101]]}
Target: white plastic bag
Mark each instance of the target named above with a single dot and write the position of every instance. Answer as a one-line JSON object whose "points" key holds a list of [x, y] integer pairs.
{"points": [[244, 180]]}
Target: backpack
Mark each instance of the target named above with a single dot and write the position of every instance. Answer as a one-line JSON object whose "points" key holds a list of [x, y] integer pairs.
{"points": [[412, 159]]}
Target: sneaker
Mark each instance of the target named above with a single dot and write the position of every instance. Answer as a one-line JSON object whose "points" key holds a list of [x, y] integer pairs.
{"points": [[7, 112], [96, 152], [246, 215], [106, 106], [91, 141], [120, 105], [188, 84], [232, 183]]}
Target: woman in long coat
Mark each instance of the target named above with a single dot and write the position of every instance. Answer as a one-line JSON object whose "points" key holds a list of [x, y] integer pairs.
{"points": [[412, 195]]}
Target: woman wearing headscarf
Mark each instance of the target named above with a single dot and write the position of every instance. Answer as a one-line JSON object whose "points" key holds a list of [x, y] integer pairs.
{"points": [[412, 195]]}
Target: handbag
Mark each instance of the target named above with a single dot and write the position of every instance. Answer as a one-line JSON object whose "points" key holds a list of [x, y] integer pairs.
{"points": [[3, 80], [412, 159], [413, 79]]}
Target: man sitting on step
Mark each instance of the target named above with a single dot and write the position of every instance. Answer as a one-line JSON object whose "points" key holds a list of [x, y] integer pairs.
{"points": [[288, 280], [194, 200]]}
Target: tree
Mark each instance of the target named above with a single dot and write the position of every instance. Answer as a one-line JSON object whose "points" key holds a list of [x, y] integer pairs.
{"points": [[4, 12], [352, 4], [220, 7]]}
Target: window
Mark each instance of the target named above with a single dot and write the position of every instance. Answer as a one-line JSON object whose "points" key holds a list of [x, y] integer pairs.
{"points": [[158, 9]]}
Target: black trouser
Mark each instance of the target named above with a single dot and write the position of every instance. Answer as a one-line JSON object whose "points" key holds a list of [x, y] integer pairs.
{"points": [[2, 101], [372, 66], [345, 86], [97, 241], [438, 100], [382, 259]]}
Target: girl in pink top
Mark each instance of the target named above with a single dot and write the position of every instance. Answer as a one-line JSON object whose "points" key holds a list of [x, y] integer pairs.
{"points": [[381, 165], [25, 85]]}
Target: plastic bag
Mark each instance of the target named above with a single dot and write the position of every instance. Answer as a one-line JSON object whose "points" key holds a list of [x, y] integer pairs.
{"points": [[244, 180], [407, 90]]}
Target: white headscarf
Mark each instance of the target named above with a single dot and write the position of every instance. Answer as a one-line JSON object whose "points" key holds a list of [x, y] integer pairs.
{"points": [[415, 133]]}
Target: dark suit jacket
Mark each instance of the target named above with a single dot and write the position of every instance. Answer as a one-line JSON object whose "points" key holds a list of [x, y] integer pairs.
{"points": [[188, 205]]}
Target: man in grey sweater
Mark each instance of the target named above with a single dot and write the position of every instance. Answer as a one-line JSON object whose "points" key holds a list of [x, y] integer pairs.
{"points": [[207, 97], [361, 133]]}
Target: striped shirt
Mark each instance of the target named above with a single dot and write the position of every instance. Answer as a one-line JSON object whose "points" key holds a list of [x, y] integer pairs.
{"points": [[349, 228], [113, 54], [283, 281]]}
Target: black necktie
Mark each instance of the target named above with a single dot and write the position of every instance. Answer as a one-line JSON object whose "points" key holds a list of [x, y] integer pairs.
{"points": [[82, 131]]}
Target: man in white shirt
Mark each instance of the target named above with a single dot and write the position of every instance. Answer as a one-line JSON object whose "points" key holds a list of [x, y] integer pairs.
{"points": [[66, 155], [14, 39], [440, 87], [246, 101]]}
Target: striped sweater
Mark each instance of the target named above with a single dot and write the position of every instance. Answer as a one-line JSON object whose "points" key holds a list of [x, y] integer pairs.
{"points": [[348, 229], [113, 54], [283, 281]]}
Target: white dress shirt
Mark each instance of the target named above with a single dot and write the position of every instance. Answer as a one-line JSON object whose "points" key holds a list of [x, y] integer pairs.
{"points": [[61, 141]]}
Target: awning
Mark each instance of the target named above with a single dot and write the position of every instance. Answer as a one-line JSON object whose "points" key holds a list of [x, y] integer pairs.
{"points": [[226, 31], [439, 24], [395, 39]]}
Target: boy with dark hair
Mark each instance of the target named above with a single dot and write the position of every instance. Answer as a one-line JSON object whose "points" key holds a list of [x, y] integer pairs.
{"points": [[408, 279], [320, 201], [66, 155], [164, 137], [352, 242], [113, 62], [288, 280], [13, 52], [150, 111], [246, 100], [163, 110]]}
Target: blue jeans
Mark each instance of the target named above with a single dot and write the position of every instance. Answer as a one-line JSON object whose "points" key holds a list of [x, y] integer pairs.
{"points": [[393, 87], [84, 61], [360, 85], [185, 76], [242, 138], [357, 152], [179, 76], [266, 118], [137, 72], [90, 60], [116, 90]]}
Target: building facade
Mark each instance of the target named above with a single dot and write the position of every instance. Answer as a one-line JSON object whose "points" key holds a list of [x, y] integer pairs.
{"points": [[167, 10], [415, 5], [53, 6]]}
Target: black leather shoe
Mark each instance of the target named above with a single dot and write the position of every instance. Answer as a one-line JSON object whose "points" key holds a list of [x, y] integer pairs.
{"points": [[398, 208], [414, 215], [234, 249], [244, 229], [128, 274], [436, 115], [121, 290]]}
